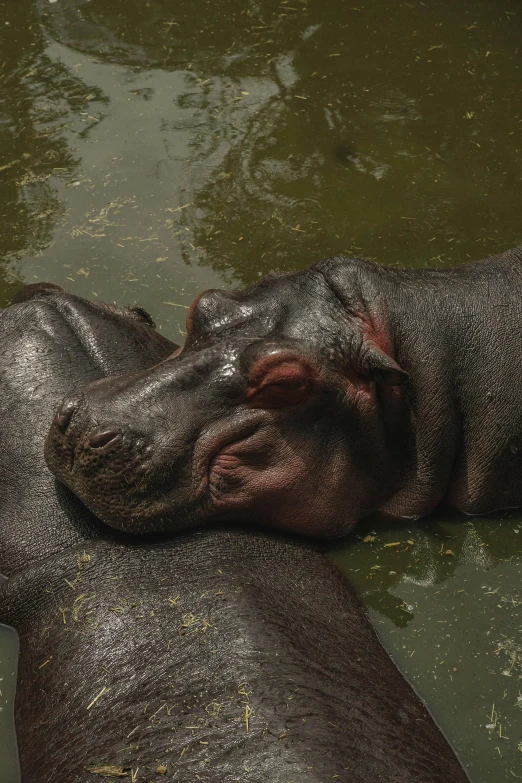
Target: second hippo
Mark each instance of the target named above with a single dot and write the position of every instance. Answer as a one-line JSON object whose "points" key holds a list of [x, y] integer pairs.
{"points": [[311, 399]]}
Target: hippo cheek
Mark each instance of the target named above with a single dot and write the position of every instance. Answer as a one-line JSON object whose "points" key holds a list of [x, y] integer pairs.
{"points": [[287, 483]]}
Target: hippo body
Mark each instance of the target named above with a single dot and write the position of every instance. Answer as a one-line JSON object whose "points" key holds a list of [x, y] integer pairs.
{"points": [[312, 399], [218, 656]]}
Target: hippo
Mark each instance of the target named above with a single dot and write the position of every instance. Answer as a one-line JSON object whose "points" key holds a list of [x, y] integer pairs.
{"points": [[48, 342], [218, 655], [311, 399]]}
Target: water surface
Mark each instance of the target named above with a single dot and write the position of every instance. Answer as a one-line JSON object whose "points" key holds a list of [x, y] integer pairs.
{"points": [[9, 770], [151, 149]]}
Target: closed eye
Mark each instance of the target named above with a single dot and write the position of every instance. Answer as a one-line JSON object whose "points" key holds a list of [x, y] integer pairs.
{"points": [[285, 384]]}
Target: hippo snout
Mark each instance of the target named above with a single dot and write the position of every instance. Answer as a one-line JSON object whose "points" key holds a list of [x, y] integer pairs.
{"points": [[73, 436], [76, 431], [108, 466], [73, 432], [65, 413], [102, 438], [72, 447], [106, 446]]}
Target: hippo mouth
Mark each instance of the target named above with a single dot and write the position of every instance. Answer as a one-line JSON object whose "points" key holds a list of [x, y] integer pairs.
{"points": [[130, 485], [258, 465], [216, 447]]}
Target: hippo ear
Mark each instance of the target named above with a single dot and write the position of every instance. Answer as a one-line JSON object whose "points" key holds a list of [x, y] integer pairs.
{"points": [[382, 368]]}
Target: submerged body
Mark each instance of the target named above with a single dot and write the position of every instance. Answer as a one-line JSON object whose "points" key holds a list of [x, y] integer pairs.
{"points": [[312, 399], [217, 656]]}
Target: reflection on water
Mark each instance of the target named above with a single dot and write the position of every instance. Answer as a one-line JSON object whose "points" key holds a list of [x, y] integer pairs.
{"points": [[150, 149], [445, 595], [190, 148], [40, 100]]}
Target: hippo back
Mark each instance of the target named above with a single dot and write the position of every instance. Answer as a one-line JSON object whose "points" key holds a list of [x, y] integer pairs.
{"points": [[218, 656]]}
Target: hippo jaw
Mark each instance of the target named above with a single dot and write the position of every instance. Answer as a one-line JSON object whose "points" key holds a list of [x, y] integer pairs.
{"points": [[241, 425]]}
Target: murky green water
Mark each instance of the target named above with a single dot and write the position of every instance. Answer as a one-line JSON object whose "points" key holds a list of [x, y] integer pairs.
{"points": [[9, 770], [445, 595], [152, 149]]}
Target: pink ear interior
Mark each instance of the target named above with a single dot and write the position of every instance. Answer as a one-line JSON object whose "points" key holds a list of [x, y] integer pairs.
{"points": [[279, 380]]}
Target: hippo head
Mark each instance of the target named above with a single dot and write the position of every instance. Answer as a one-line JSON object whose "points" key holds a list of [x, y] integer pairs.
{"points": [[285, 406]]}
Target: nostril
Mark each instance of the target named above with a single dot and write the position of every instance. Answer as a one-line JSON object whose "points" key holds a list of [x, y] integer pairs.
{"points": [[64, 414], [102, 438]]}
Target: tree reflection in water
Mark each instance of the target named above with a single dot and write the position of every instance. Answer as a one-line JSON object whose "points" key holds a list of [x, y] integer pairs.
{"points": [[43, 106]]}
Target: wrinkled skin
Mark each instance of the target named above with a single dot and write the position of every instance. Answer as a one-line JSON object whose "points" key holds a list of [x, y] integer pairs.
{"points": [[311, 399], [186, 636], [218, 656]]}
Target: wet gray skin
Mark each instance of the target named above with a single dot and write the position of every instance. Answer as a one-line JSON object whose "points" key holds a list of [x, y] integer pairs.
{"points": [[149, 150]]}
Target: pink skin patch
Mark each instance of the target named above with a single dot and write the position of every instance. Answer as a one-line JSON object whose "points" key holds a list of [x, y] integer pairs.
{"points": [[254, 467], [268, 477], [260, 461], [277, 381], [280, 380]]}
